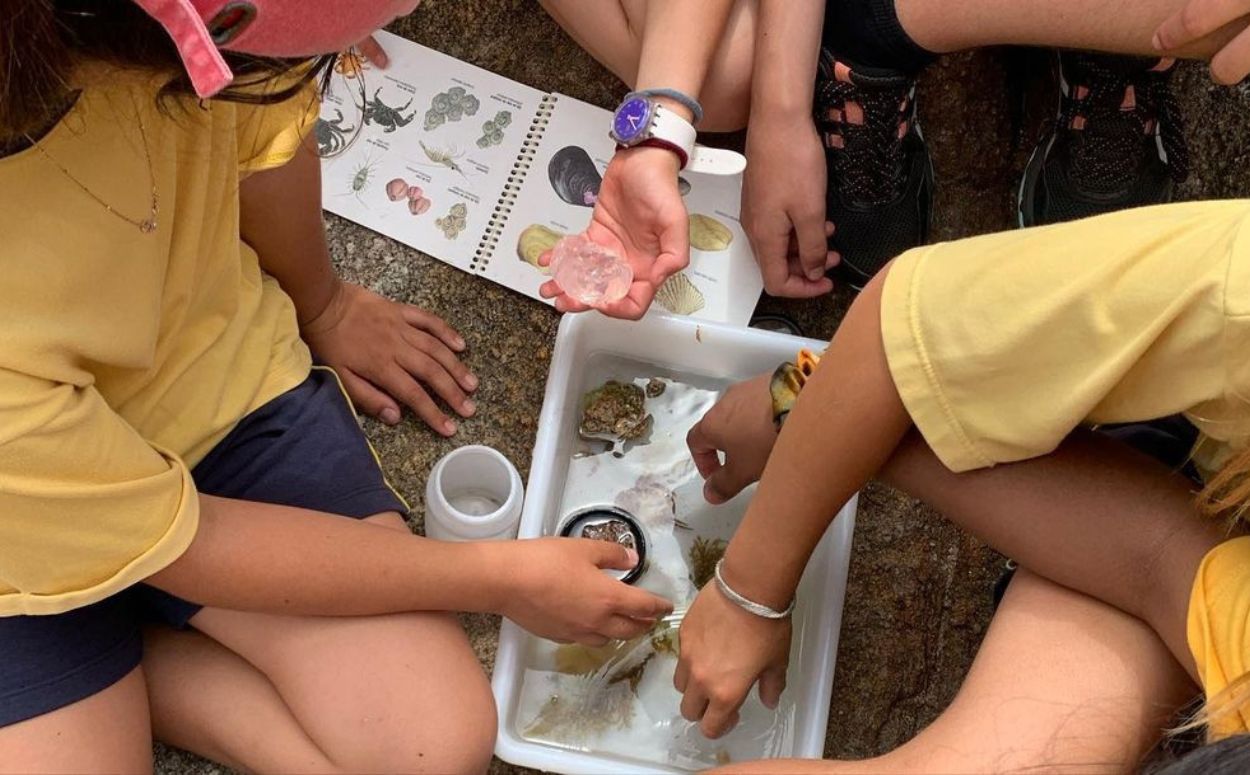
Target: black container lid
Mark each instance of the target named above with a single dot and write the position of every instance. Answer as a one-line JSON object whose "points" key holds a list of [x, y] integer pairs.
{"points": [[600, 523]]}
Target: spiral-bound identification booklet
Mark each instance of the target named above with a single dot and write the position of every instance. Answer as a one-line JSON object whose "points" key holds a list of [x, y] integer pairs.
{"points": [[485, 174]]}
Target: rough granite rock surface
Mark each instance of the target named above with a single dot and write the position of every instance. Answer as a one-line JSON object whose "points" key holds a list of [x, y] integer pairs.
{"points": [[920, 591]]}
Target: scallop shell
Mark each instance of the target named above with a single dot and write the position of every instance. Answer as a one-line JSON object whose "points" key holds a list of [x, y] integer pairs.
{"points": [[679, 295], [396, 190], [709, 234], [533, 242]]}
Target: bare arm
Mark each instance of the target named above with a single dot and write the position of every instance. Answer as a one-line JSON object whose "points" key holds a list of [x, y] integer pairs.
{"points": [[779, 208], [678, 42], [384, 351], [261, 557], [280, 217]]}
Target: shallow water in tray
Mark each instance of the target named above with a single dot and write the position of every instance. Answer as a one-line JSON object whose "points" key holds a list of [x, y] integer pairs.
{"points": [[619, 701]]}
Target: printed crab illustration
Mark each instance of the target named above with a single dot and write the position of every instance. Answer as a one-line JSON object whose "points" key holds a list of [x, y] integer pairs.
{"points": [[332, 136], [378, 112]]}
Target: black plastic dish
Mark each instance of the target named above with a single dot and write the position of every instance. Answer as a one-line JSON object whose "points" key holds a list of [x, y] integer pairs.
{"points": [[579, 520]]}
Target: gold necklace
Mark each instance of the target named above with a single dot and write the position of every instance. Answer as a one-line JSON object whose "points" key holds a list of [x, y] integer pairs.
{"points": [[147, 225]]}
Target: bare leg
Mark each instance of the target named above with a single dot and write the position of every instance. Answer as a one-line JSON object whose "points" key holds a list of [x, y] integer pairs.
{"points": [[1120, 26], [398, 693], [1062, 683], [107, 732], [611, 32]]}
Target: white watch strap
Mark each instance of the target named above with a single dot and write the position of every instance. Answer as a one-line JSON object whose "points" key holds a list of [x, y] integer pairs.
{"points": [[670, 127], [716, 161]]}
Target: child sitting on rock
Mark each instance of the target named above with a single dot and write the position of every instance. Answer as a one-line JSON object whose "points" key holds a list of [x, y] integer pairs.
{"points": [[197, 542]]}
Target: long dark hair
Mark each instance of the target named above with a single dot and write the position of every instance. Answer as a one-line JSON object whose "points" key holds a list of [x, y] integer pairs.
{"points": [[43, 41]]}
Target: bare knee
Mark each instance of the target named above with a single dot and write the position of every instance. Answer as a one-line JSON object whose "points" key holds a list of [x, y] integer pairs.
{"points": [[451, 749]]}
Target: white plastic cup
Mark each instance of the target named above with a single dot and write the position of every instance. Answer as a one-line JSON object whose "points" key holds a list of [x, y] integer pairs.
{"points": [[474, 494]]}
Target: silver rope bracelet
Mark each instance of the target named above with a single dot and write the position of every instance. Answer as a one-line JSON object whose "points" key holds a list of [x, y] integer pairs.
{"points": [[750, 606]]}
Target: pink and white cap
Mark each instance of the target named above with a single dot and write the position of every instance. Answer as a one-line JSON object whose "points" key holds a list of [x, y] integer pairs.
{"points": [[201, 29]]}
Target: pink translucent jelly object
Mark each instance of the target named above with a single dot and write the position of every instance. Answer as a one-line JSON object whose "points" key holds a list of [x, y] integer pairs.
{"points": [[589, 272]]}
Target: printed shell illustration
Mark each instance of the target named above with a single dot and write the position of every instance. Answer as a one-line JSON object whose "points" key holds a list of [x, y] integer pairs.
{"points": [[680, 295], [450, 105], [709, 234], [454, 222], [574, 176], [535, 240], [492, 130]]}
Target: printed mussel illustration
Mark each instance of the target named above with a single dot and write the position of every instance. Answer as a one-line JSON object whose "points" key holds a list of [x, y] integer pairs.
{"points": [[574, 176]]}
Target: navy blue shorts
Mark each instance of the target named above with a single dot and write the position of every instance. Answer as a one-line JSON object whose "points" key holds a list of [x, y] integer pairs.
{"points": [[304, 448]]}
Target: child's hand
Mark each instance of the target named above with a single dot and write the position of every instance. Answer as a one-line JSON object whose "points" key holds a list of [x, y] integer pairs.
{"points": [[385, 351], [561, 593], [784, 213], [640, 215], [724, 651], [741, 426], [1200, 18]]}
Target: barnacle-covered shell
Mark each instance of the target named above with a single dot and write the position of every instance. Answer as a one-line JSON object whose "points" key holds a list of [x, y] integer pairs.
{"points": [[574, 176], [434, 119], [396, 190], [489, 127], [535, 240], [680, 295], [441, 103], [615, 409], [455, 93], [459, 210], [470, 105], [709, 234], [503, 118], [455, 112]]}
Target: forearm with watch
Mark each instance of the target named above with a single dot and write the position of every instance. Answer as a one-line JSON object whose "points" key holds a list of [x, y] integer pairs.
{"points": [[679, 40]]}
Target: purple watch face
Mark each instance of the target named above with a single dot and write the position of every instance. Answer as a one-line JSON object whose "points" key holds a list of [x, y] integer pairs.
{"points": [[632, 119]]}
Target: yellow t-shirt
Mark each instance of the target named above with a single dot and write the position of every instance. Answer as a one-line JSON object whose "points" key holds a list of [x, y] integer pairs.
{"points": [[1219, 630], [126, 356], [1001, 345]]}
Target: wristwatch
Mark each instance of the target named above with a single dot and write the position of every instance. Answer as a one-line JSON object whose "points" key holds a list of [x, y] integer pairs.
{"points": [[641, 121]]}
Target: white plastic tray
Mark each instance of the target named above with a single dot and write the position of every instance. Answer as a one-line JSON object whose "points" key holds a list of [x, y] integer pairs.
{"points": [[684, 346]]}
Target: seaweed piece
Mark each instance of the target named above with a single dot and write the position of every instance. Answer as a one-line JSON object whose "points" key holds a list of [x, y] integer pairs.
{"points": [[704, 554], [574, 176]]}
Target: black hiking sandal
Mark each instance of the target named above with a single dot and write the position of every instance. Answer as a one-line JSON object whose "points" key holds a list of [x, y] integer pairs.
{"points": [[1117, 142], [880, 193]]}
